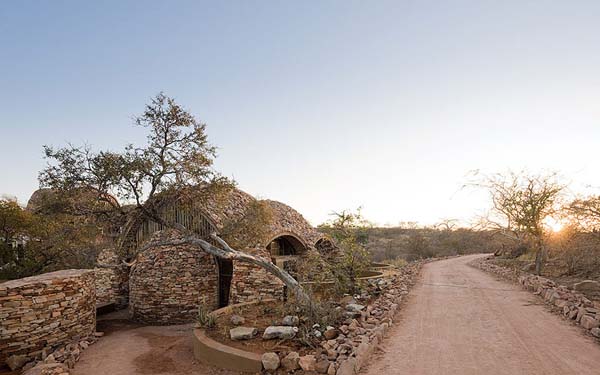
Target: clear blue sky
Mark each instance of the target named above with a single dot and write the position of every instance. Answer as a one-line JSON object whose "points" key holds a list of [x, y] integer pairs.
{"points": [[324, 105]]}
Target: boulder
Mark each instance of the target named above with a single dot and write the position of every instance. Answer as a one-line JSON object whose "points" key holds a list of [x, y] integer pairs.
{"points": [[589, 322], [237, 320], [242, 333], [322, 366], [280, 332], [587, 286], [354, 307], [47, 368], [290, 320], [15, 362], [308, 362], [330, 333], [347, 299], [270, 361], [291, 361], [347, 367]]}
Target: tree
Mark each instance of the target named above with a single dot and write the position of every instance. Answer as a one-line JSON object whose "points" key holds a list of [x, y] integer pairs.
{"points": [[177, 156], [520, 204], [586, 213], [15, 224], [349, 229]]}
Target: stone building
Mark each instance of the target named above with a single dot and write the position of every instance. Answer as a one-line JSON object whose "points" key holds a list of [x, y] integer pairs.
{"points": [[167, 283]]}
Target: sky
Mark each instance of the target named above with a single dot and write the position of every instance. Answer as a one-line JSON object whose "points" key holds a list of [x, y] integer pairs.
{"points": [[324, 105]]}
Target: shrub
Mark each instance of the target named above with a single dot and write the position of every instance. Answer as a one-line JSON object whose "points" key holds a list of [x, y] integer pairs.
{"points": [[205, 318]]}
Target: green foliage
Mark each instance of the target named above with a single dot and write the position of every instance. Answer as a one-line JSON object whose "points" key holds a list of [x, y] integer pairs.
{"points": [[350, 230], [323, 313], [52, 239], [176, 155]]}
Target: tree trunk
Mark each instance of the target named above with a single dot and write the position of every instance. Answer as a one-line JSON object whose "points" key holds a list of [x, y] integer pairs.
{"points": [[539, 257]]}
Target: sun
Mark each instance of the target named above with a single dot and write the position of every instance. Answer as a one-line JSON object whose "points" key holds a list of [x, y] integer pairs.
{"points": [[554, 225]]}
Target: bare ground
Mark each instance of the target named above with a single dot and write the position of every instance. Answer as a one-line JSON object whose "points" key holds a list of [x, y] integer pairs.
{"points": [[130, 349], [460, 320]]}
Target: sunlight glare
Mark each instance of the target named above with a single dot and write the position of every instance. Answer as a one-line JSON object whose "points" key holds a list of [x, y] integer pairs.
{"points": [[553, 224]]}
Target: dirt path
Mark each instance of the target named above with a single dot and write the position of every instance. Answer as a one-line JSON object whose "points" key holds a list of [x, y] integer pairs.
{"points": [[460, 320], [128, 349]]}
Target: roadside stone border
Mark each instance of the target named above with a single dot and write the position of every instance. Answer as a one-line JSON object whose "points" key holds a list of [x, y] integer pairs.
{"points": [[345, 354], [564, 301]]}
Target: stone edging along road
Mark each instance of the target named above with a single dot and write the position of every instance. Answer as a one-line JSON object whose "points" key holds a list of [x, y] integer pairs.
{"points": [[563, 301]]}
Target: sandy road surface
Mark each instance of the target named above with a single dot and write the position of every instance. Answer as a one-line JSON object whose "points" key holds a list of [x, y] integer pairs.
{"points": [[460, 320], [130, 349]]}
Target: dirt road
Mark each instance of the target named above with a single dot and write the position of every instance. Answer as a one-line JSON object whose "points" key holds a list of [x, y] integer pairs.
{"points": [[460, 320]]}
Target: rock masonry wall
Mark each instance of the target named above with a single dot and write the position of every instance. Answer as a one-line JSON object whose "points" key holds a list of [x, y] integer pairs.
{"points": [[167, 283], [112, 280], [253, 283], [41, 313], [572, 304]]}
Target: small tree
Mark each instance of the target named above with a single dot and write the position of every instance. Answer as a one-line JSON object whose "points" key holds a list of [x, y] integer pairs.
{"points": [[177, 156], [349, 229], [520, 204]]}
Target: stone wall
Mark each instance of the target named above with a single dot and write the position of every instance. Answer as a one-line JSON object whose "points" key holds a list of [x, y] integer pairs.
{"points": [[112, 280], [252, 283], [572, 304], [167, 283], [41, 313]]}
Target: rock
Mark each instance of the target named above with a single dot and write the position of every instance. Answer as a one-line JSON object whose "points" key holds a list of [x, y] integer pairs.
{"points": [[596, 332], [330, 333], [291, 361], [589, 322], [347, 367], [331, 354], [290, 320], [331, 370], [242, 333], [237, 320], [50, 359], [47, 368], [354, 307], [317, 334], [98, 334], [347, 299], [270, 361], [322, 366], [587, 286], [528, 267], [308, 362], [28, 366], [84, 345], [15, 362], [280, 332]]}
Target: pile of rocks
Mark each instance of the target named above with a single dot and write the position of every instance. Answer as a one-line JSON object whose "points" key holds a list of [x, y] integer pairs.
{"points": [[344, 350], [571, 303], [59, 362]]}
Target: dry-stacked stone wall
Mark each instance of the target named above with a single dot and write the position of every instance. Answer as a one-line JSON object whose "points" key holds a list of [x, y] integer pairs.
{"points": [[572, 304], [41, 313], [252, 283], [112, 280], [167, 283]]}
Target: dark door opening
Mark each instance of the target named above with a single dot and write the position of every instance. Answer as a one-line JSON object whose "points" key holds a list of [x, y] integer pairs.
{"points": [[225, 275]]}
